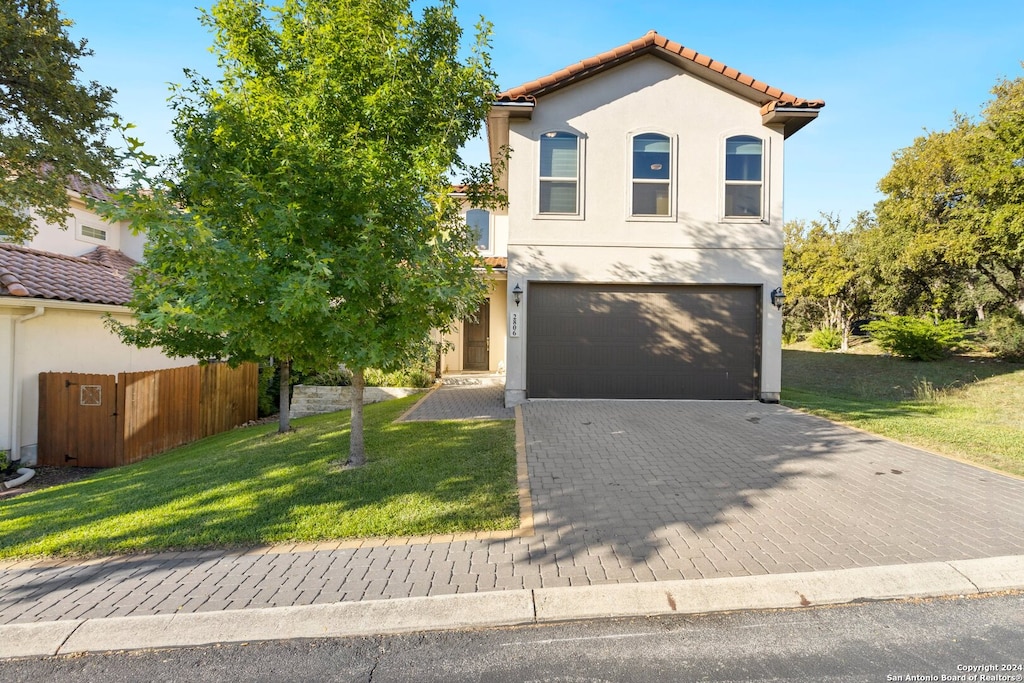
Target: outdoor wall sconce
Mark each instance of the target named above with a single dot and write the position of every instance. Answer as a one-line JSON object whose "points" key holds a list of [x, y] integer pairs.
{"points": [[517, 294], [778, 298]]}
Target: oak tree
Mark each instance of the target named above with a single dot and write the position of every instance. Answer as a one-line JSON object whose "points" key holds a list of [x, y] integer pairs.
{"points": [[956, 199], [308, 215], [52, 126]]}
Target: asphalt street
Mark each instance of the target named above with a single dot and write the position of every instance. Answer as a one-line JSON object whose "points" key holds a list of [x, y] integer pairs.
{"points": [[941, 639]]}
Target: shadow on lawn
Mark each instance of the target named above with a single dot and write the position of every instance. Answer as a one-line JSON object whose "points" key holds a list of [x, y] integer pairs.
{"points": [[241, 488]]}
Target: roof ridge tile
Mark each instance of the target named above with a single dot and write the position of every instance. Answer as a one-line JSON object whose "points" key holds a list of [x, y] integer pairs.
{"points": [[528, 92]]}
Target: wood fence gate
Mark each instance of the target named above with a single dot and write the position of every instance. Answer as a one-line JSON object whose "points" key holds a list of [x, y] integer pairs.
{"points": [[109, 420]]}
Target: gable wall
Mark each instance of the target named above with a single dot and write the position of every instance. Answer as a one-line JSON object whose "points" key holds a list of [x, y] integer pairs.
{"points": [[604, 244], [68, 239]]}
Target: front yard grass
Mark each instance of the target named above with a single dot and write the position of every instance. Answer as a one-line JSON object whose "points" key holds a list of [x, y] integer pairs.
{"points": [[252, 486], [967, 407]]}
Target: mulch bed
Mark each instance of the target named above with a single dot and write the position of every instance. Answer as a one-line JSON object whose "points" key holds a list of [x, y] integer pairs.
{"points": [[46, 477]]}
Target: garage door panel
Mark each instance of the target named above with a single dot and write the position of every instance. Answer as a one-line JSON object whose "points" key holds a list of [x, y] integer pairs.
{"points": [[625, 341]]}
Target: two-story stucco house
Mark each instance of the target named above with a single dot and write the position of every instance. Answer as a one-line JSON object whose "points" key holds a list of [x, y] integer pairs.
{"points": [[643, 232]]}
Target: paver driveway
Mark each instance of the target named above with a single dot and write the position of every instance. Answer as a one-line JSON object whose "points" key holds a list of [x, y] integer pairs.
{"points": [[622, 492], [703, 489]]}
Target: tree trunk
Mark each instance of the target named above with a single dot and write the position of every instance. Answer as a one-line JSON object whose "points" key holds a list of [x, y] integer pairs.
{"points": [[356, 449], [284, 404]]}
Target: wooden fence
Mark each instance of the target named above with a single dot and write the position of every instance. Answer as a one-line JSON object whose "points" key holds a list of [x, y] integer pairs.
{"points": [[107, 420]]}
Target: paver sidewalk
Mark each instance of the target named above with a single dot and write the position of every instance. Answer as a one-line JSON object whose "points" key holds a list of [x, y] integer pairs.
{"points": [[623, 492]]}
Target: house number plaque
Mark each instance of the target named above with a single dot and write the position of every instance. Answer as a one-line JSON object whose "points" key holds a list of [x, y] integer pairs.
{"points": [[513, 324]]}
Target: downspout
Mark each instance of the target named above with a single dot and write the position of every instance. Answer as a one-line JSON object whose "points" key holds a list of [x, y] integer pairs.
{"points": [[15, 414]]}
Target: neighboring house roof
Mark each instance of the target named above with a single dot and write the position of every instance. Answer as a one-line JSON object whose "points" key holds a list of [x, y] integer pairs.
{"points": [[499, 262], [101, 276], [652, 43]]}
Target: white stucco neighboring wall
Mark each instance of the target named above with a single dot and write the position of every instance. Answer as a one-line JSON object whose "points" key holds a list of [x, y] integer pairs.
{"points": [[75, 238], [604, 244], [66, 337]]}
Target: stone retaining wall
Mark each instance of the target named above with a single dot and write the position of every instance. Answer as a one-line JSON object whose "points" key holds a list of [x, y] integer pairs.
{"points": [[314, 400]]}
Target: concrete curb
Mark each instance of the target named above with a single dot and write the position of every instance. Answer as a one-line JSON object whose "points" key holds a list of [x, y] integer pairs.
{"points": [[513, 608]]}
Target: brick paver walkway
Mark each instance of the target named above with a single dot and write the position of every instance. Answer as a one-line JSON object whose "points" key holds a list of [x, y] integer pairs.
{"points": [[479, 400], [622, 492]]}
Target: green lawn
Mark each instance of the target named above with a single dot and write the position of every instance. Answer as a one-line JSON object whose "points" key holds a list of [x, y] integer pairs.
{"points": [[252, 486], [967, 407]]}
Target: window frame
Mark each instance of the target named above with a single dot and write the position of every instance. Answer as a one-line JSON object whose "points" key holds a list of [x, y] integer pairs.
{"points": [[762, 184], [673, 150], [82, 237], [540, 180], [488, 230]]}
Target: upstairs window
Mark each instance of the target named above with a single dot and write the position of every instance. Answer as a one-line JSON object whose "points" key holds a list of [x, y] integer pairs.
{"points": [[479, 221], [743, 177], [559, 173], [652, 175]]}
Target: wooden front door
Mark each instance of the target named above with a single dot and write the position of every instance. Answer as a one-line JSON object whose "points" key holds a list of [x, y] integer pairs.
{"points": [[477, 339]]}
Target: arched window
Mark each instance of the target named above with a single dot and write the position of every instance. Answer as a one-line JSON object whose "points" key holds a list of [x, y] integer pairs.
{"points": [[479, 220], [652, 175], [559, 173], [743, 177]]}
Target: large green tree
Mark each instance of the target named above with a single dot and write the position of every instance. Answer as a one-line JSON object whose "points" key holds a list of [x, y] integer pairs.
{"points": [[51, 125], [308, 215], [955, 201], [825, 283]]}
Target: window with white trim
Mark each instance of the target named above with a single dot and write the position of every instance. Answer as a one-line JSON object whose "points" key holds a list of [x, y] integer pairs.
{"points": [[744, 170], [559, 173], [652, 175], [479, 221]]}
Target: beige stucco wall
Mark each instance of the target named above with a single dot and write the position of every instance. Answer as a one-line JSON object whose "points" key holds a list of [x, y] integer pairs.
{"points": [[604, 244], [72, 242], [61, 340]]}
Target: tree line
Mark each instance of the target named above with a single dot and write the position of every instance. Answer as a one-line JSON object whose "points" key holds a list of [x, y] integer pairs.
{"points": [[943, 243]]}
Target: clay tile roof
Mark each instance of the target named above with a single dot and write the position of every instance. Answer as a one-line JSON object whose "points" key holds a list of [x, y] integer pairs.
{"points": [[496, 261], [100, 277], [657, 45]]}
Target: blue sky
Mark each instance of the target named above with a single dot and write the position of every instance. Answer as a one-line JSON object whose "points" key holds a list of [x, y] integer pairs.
{"points": [[886, 69]]}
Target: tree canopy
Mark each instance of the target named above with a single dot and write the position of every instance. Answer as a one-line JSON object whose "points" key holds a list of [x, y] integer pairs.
{"points": [[957, 198], [826, 285], [308, 215], [946, 240], [52, 126]]}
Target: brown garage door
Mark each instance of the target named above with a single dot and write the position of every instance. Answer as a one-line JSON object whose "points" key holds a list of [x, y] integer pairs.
{"points": [[629, 341]]}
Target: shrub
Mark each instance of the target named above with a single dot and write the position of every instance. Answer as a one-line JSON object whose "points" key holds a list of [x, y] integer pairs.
{"points": [[337, 377], [825, 339], [1004, 336], [409, 377], [917, 339]]}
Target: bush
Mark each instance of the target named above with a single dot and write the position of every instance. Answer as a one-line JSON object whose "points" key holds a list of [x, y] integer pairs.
{"points": [[268, 396], [338, 377], [409, 377], [1004, 336], [917, 339], [826, 339]]}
